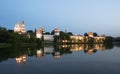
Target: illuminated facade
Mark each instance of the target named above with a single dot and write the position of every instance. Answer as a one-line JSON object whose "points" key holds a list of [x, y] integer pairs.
{"points": [[82, 39], [99, 39], [76, 38], [20, 28]]}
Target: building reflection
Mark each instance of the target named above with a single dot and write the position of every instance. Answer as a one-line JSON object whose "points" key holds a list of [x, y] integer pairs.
{"points": [[77, 47], [87, 48], [40, 53], [57, 51], [21, 59], [48, 50], [57, 55]]}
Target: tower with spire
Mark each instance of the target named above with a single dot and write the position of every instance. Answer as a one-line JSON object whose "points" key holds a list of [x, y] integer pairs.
{"points": [[23, 27]]}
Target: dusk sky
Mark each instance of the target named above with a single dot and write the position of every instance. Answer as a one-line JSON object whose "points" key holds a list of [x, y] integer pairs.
{"points": [[77, 16]]}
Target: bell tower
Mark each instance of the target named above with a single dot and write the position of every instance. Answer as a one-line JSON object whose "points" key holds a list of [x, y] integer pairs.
{"points": [[23, 27]]}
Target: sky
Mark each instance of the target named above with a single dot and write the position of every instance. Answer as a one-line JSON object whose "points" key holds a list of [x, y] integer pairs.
{"points": [[77, 16]]}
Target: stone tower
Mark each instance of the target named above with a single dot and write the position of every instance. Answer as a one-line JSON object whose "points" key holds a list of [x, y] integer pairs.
{"points": [[56, 32], [39, 33]]}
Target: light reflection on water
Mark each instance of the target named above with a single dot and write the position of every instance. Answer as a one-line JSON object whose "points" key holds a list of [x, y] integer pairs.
{"points": [[77, 58]]}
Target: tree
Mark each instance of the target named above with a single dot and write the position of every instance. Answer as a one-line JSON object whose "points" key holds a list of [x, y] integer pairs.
{"points": [[47, 33], [90, 40], [95, 34], [4, 35], [85, 34], [70, 33], [10, 31], [3, 29], [30, 31], [64, 36], [52, 32], [108, 39]]}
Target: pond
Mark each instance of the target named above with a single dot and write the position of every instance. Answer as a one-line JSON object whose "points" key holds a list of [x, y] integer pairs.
{"points": [[61, 59]]}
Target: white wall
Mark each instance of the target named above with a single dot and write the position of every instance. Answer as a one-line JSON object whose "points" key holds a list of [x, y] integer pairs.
{"points": [[57, 34], [49, 37], [38, 35]]}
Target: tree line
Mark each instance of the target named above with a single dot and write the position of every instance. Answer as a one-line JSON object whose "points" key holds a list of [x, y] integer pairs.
{"points": [[9, 36]]}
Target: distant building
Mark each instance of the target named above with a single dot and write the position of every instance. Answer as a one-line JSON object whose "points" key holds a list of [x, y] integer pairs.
{"points": [[47, 37], [20, 28], [39, 33], [99, 39], [56, 31], [90, 34], [77, 38]]}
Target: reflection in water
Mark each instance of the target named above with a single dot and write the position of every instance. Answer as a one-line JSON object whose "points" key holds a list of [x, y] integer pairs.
{"points": [[59, 50], [77, 47], [90, 49], [60, 59], [57, 55], [21, 59], [56, 51], [39, 53]]}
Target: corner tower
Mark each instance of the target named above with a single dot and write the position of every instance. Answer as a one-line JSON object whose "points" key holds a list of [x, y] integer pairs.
{"points": [[56, 32]]}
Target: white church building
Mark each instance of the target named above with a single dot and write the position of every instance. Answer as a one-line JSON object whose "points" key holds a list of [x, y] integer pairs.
{"points": [[20, 28]]}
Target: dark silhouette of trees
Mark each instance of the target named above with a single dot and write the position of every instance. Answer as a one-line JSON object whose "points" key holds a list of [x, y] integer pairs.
{"points": [[48, 33], [90, 40], [117, 39], [52, 32], [70, 33], [95, 34], [10, 31], [108, 39], [4, 35], [85, 34], [30, 31]]}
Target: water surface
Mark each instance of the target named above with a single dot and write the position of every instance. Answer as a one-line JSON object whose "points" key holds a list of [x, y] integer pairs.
{"points": [[67, 59]]}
